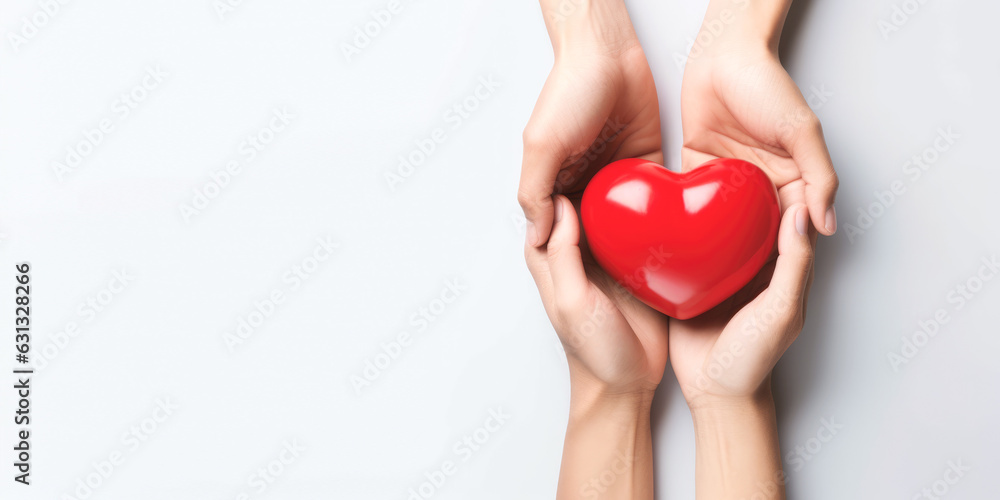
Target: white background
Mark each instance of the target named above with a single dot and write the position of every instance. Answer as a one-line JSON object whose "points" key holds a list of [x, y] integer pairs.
{"points": [[454, 218]]}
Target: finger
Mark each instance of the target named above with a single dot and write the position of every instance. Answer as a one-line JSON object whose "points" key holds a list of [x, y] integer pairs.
{"points": [[569, 279], [808, 149], [539, 168], [812, 275], [795, 259], [538, 265]]}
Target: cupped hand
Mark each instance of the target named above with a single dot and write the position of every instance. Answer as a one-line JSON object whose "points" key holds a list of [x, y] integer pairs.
{"points": [[614, 343], [739, 102], [598, 105], [727, 354]]}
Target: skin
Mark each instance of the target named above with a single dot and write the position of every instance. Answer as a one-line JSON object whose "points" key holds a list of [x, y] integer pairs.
{"points": [[599, 105], [738, 102], [616, 348], [723, 361]]}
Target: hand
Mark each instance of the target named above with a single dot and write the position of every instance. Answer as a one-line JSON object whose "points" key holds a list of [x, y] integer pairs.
{"points": [[723, 361], [614, 344], [727, 354], [598, 105], [738, 101], [616, 348]]}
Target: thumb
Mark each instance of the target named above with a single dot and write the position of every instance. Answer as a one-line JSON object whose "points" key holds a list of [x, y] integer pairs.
{"points": [[569, 279], [795, 257]]}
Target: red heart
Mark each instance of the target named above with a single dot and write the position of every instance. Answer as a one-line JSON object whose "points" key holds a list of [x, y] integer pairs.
{"points": [[681, 243]]}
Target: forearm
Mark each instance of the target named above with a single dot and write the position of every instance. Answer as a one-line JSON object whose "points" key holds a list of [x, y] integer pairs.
{"points": [[746, 21], [738, 456], [608, 451]]}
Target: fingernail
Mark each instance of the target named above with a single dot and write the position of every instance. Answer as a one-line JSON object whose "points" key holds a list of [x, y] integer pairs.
{"points": [[558, 209], [531, 234], [831, 220], [801, 219]]}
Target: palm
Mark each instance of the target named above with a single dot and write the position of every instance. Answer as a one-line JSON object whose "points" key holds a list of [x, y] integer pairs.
{"points": [[628, 342], [701, 349], [747, 107]]}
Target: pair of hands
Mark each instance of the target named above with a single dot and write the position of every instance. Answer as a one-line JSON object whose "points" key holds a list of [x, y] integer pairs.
{"points": [[599, 105]]}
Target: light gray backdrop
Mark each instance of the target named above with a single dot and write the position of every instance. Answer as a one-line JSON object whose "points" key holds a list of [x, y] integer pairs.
{"points": [[200, 333]]}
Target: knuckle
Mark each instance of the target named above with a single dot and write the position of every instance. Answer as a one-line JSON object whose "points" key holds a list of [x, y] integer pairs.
{"points": [[812, 126], [833, 181], [825, 180], [807, 128], [529, 259], [530, 202], [555, 250], [532, 138], [525, 199]]}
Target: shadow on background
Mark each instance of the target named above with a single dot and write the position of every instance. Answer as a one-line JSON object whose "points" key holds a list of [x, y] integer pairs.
{"points": [[794, 24]]}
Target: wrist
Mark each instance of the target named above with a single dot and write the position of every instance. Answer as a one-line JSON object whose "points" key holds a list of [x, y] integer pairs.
{"points": [[727, 412], [589, 401], [588, 27], [608, 433], [737, 451], [743, 24]]}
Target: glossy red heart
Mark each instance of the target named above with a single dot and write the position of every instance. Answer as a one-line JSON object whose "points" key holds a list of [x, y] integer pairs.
{"points": [[681, 243]]}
